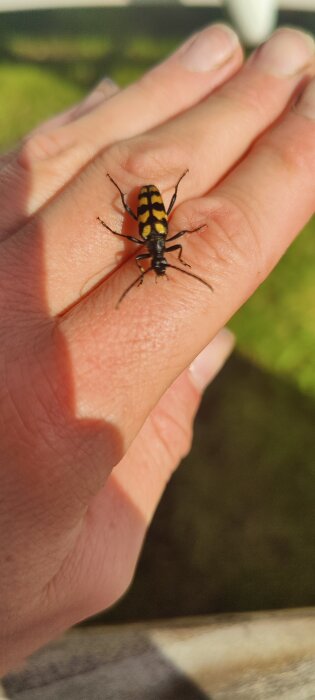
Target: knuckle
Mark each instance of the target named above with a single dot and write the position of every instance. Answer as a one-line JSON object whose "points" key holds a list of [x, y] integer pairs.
{"points": [[231, 235], [291, 155], [146, 159], [39, 146], [249, 100], [235, 235]]}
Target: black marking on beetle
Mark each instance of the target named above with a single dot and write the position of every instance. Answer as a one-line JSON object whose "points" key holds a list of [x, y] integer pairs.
{"points": [[152, 219]]}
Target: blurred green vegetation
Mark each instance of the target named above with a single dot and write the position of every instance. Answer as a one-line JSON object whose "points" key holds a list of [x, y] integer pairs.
{"points": [[276, 328], [235, 528], [244, 500]]}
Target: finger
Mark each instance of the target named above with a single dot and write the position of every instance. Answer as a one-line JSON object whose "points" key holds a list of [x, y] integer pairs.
{"points": [[101, 92], [132, 491], [47, 161], [202, 63], [252, 217], [209, 138], [166, 435], [215, 134]]}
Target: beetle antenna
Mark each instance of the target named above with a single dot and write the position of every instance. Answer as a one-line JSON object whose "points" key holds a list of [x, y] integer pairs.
{"points": [[191, 274]]}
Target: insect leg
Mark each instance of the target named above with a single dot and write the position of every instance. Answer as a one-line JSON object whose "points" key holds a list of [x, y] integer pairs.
{"points": [[182, 233], [138, 281], [142, 257], [122, 235], [180, 248], [125, 205], [173, 200]]}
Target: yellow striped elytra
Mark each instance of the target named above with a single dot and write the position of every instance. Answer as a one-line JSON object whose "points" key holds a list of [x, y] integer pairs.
{"points": [[152, 219]]}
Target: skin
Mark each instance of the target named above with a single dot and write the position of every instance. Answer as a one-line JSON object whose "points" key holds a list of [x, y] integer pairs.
{"points": [[97, 405]]}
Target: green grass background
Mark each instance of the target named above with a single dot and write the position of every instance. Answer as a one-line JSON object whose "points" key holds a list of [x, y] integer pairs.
{"points": [[235, 529]]}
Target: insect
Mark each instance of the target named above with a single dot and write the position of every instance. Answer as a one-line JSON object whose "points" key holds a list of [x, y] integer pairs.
{"points": [[152, 219]]}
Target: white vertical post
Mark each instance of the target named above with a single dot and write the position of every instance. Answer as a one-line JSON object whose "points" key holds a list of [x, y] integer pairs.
{"points": [[254, 19]]}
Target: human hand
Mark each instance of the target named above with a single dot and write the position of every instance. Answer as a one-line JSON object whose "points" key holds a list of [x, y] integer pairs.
{"points": [[86, 388]]}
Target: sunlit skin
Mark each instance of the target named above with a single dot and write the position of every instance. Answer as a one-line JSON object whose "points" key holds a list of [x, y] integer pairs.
{"points": [[152, 220], [97, 406]]}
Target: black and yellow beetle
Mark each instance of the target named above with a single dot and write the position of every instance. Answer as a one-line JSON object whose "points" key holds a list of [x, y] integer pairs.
{"points": [[152, 218]]}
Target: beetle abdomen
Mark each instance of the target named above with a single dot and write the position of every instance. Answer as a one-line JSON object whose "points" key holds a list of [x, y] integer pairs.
{"points": [[151, 213]]}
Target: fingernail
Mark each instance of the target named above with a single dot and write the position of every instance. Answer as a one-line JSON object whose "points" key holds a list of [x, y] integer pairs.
{"points": [[211, 359], [209, 49], [102, 91], [306, 102], [286, 53]]}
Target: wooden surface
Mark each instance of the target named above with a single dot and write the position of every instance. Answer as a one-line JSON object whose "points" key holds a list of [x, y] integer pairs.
{"points": [[263, 656]]}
